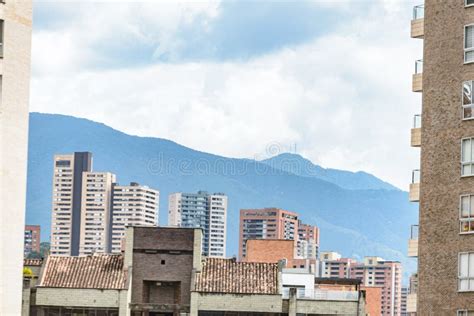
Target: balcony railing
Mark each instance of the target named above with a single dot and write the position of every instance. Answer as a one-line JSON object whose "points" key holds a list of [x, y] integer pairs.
{"points": [[419, 12], [416, 131], [418, 22], [322, 295], [414, 194], [414, 230], [413, 242], [415, 176], [417, 84], [417, 121], [419, 66]]}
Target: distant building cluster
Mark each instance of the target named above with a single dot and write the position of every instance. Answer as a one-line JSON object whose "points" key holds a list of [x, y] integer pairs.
{"points": [[90, 210], [109, 257]]}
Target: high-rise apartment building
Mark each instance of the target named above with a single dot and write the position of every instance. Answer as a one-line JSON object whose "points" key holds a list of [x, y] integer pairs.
{"points": [[445, 190], [376, 272], [274, 223], [67, 202], [403, 304], [32, 239], [90, 210], [201, 210], [133, 205], [15, 52], [308, 241], [96, 212]]}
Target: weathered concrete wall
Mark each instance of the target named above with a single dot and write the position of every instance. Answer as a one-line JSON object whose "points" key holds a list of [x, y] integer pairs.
{"points": [[79, 297]]}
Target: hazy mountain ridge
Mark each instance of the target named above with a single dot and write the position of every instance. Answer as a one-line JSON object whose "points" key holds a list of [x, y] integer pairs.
{"points": [[300, 166], [356, 217]]}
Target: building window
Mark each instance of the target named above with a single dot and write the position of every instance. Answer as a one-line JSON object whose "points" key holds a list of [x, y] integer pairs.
{"points": [[467, 100], [466, 214], [469, 3], [466, 272], [469, 44], [465, 312], [467, 157]]}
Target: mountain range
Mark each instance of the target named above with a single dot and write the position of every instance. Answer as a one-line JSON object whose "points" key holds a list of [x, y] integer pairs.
{"points": [[358, 214]]}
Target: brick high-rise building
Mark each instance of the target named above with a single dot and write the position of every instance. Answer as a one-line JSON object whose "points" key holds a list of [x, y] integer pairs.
{"points": [[32, 239], [274, 223], [201, 210], [90, 210], [15, 59], [445, 189]]}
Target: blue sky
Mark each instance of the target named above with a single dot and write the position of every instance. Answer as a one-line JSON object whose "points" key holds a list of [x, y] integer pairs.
{"points": [[332, 77]]}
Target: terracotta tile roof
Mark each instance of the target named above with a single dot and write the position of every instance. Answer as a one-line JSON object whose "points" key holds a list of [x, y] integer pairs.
{"points": [[230, 276], [32, 262], [91, 272]]}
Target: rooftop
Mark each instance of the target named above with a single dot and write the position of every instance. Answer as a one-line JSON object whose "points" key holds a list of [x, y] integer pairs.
{"points": [[229, 276], [91, 272]]}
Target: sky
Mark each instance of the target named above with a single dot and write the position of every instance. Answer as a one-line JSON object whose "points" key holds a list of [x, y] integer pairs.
{"points": [[329, 80]]}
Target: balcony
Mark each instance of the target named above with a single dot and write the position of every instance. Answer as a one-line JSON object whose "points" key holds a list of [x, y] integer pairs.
{"points": [[411, 303], [413, 242], [414, 194], [416, 131], [418, 22], [417, 83]]}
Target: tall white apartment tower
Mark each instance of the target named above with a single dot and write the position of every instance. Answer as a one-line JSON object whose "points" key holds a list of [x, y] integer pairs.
{"points": [[133, 205], [96, 212], [15, 55], [203, 210], [66, 211]]}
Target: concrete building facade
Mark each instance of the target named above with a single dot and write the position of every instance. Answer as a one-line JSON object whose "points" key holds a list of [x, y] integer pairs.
{"points": [[133, 205], [32, 239], [67, 202], [15, 58], [202, 210], [91, 210], [96, 212]]}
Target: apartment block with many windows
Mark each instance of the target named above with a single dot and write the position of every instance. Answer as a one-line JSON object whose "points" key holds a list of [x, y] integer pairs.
{"points": [[67, 202], [133, 205], [201, 210], [445, 249], [274, 223], [377, 272], [90, 210], [96, 213]]}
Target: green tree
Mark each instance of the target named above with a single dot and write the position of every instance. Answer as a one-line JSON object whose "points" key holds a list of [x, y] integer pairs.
{"points": [[27, 272]]}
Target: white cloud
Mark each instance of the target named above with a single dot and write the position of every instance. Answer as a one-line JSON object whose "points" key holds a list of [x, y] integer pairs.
{"points": [[344, 98]]}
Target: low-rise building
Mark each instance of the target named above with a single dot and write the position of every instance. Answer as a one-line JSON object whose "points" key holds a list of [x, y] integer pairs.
{"points": [[88, 285], [225, 286]]}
